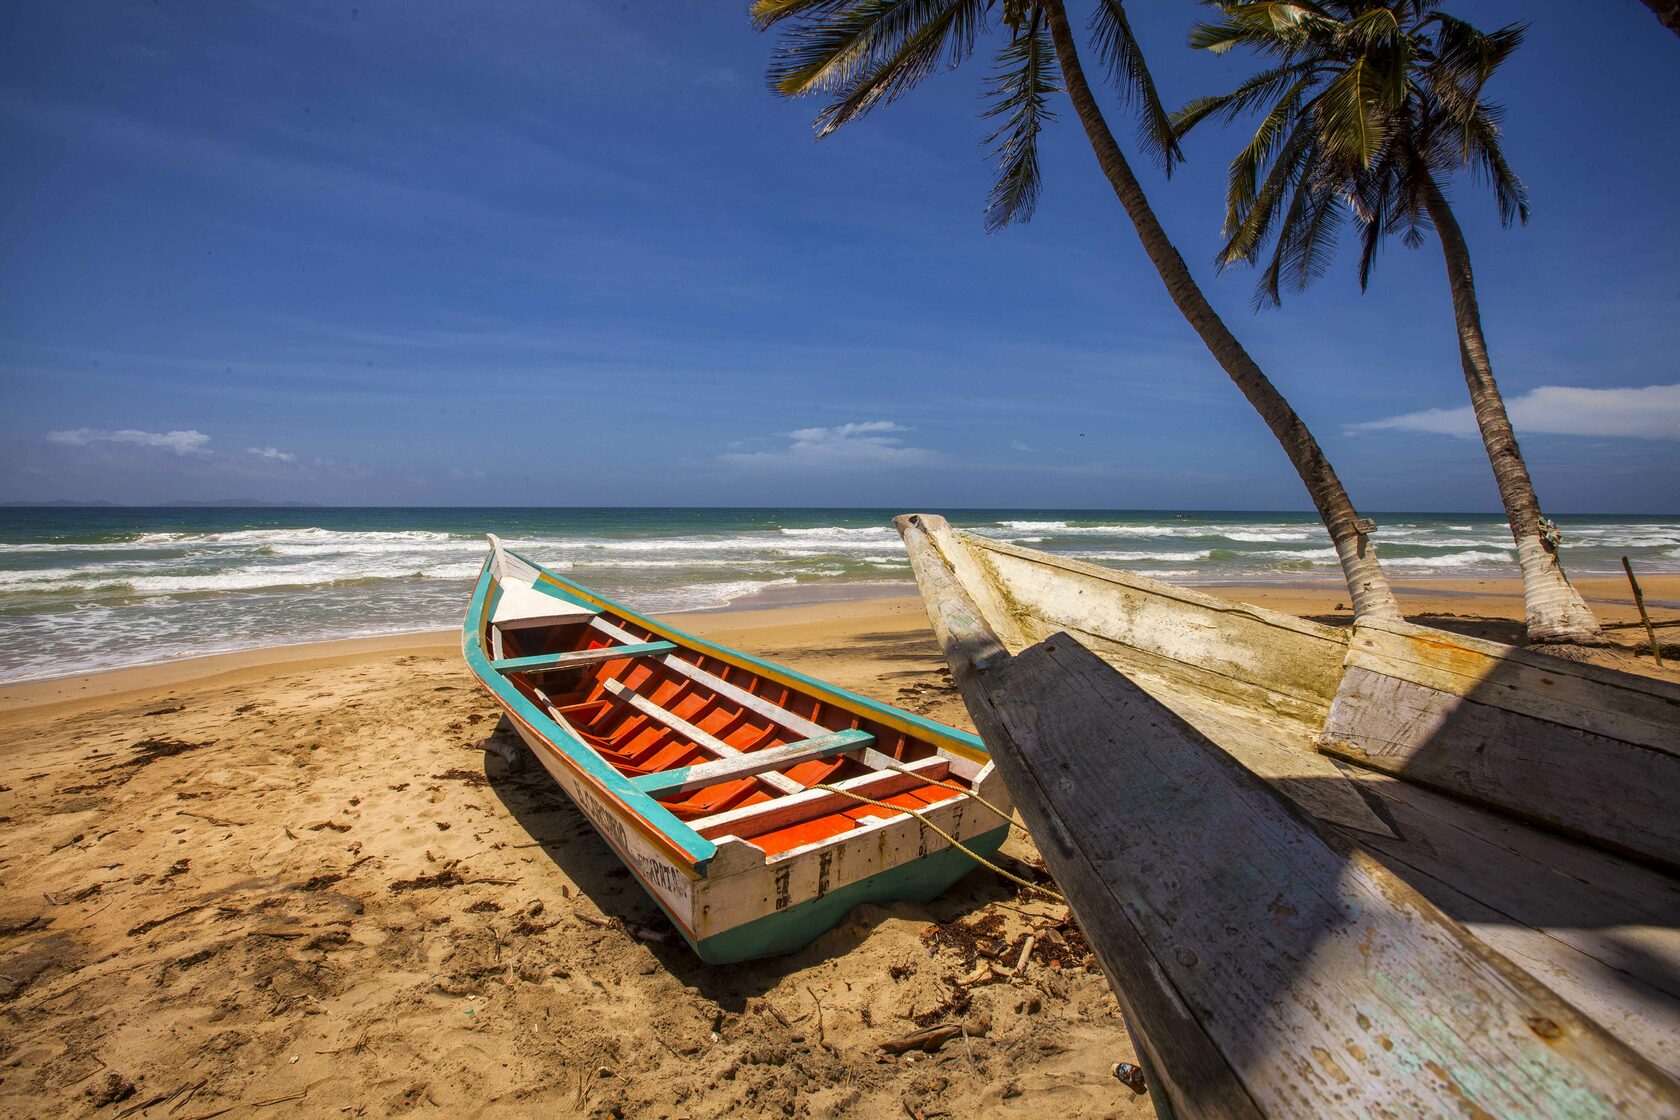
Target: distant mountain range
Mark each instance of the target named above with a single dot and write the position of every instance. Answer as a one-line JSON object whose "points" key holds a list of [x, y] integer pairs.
{"points": [[221, 503]]}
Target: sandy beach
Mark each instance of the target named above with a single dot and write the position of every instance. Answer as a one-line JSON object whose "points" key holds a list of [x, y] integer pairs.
{"points": [[295, 882]]}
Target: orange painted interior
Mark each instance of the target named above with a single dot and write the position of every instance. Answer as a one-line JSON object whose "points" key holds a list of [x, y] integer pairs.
{"points": [[634, 743]]}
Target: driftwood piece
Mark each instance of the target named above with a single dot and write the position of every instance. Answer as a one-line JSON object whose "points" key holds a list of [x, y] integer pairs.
{"points": [[1644, 616], [1267, 972], [928, 1040]]}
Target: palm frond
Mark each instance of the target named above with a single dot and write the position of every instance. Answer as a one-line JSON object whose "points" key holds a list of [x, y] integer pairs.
{"points": [[945, 36], [1349, 121], [830, 45], [766, 13], [1375, 27], [1250, 225], [1306, 243], [1019, 92], [1487, 162], [1468, 55], [1269, 26], [1129, 72], [1245, 170], [1265, 86]]}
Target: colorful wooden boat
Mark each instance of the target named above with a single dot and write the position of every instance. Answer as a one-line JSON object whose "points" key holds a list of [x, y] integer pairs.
{"points": [[755, 804], [1378, 871]]}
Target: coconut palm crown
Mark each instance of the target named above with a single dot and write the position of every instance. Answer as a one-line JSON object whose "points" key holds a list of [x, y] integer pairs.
{"points": [[860, 54], [866, 53], [1367, 107], [1369, 102]]}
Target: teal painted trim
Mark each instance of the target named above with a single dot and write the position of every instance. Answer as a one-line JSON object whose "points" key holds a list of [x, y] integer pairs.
{"points": [[666, 781], [651, 784], [784, 931], [555, 592], [656, 815], [820, 687], [540, 660]]}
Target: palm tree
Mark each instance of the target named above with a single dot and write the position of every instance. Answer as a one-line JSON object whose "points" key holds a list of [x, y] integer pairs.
{"points": [[864, 53], [1368, 107]]}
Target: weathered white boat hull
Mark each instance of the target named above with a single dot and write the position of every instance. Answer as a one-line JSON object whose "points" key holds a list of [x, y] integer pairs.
{"points": [[1291, 935]]}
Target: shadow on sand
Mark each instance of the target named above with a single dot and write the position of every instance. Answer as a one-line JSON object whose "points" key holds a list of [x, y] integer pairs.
{"points": [[562, 833]]}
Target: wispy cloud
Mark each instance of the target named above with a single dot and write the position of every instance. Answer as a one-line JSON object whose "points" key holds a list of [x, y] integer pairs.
{"points": [[181, 443], [870, 443], [1649, 413], [272, 453]]}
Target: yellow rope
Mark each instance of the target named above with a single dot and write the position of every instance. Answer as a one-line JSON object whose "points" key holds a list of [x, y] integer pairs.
{"points": [[955, 843], [1009, 818]]}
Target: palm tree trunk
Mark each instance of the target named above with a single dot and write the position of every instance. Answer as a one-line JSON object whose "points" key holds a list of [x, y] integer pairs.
{"points": [[1372, 596], [1556, 612]]}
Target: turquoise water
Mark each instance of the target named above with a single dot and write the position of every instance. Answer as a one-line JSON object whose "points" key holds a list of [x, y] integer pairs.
{"points": [[85, 589]]}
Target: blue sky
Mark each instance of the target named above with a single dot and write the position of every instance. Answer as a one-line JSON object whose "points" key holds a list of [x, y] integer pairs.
{"points": [[551, 252]]}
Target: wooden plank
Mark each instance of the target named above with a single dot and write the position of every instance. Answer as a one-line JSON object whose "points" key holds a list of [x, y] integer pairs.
{"points": [[767, 816], [770, 710], [765, 707], [522, 606], [1311, 781], [744, 765], [543, 661], [612, 630], [1279, 750], [1266, 972], [703, 739], [1618, 794], [1626, 706], [1223, 645], [1599, 930], [960, 767]]}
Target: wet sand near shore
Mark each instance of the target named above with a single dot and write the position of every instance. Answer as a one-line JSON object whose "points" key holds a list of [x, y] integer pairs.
{"points": [[296, 882]]}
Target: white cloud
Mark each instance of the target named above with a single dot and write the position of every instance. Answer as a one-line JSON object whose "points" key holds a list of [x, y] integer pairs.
{"points": [[182, 443], [1649, 413], [866, 444], [1017, 445], [273, 453]]}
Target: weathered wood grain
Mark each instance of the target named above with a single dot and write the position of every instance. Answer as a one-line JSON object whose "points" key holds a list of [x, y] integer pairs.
{"points": [[543, 662], [1261, 657], [698, 736], [668, 783], [1271, 731], [1602, 932], [1471, 735], [780, 812], [1626, 706], [1271, 973]]}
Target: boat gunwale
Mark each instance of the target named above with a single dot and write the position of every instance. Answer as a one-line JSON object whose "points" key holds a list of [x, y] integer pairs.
{"points": [[1127, 578], [942, 589], [937, 734], [689, 851]]}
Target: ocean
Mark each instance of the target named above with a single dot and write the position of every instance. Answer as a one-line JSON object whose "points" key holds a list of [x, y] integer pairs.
{"points": [[94, 588]]}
